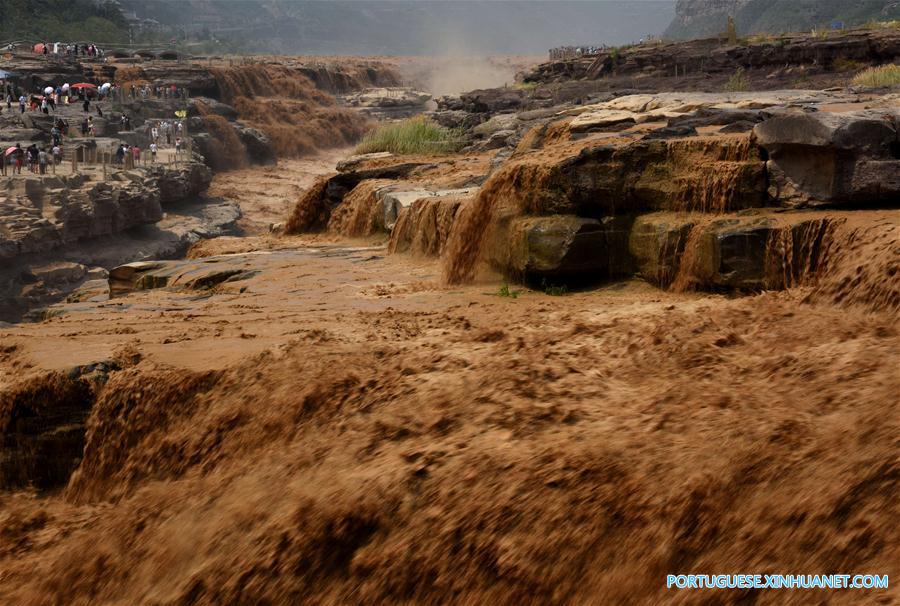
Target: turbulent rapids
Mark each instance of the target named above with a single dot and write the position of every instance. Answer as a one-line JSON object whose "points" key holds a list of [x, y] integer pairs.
{"points": [[613, 337]]}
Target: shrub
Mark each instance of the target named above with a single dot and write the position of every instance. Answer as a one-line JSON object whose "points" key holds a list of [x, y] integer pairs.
{"points": [[417, 135], [554, 290], [842, 64], [506, 292], [883, 75], [738, 82]]}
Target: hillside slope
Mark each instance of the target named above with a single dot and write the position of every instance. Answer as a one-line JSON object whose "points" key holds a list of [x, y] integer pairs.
{"points": [[705, 18], [61, 20]]}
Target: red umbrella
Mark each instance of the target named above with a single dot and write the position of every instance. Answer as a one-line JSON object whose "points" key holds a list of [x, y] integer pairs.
{"points": [[83, 85], [10, 150]]}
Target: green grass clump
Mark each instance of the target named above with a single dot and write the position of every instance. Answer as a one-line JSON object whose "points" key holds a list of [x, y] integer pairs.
{"points": [[883, 75], [738, 82], [417, 135], [554, 290], [505, 291]]}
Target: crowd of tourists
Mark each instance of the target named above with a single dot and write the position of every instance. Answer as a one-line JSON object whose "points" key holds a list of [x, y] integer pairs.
{"points": [[36, 158], [70, 50], [158, 92], [572, 52]]}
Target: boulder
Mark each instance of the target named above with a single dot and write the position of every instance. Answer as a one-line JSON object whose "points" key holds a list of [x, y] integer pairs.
{"points": [[821, 159], [193, 274], [569, 248], [62, 271], [671, 132], [393, 202], [176, 184], [354, 162], [867, 132], [656, 244], [732, 253], [498, 139], [424, 227], [201, 106], [259, 148], [501, 122], [90, 290], [389, 97], [457, 118]]}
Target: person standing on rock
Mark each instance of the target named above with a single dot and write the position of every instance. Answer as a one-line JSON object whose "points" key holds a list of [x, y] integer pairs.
{"points": [[32, 158], [20, 158], [84, 127], [153, 149], [57, 154], [43, 160], [120, 154], [22, 102], [136, 154], [154, 134], [91, 129]]}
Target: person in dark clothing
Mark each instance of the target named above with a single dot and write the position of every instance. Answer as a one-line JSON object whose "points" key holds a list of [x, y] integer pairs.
{"points": [[84, 127], [87, 104], [32, 157], [120, 154], [19, 155]]}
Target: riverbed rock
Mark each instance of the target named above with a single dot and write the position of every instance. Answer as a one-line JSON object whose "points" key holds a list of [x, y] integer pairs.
{"points": [[192, 274]]}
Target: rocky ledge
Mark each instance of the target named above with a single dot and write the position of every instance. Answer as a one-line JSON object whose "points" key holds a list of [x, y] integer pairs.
{"points": [[42, 213], [688, 191]]}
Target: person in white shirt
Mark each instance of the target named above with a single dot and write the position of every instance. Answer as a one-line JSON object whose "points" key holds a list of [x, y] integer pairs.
{"points": [[153, 149]]}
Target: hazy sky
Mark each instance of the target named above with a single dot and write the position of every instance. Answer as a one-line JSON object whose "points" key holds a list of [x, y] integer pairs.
{"points": [[421, 26]]}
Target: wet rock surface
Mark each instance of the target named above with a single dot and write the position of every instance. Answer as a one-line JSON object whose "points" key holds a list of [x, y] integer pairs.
{"points": [[42, 431], [569, 248], [191, 274]]}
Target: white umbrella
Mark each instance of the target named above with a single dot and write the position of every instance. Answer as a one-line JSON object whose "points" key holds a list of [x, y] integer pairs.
{"points": [[48, 90], [105, 87], [65, 86]]}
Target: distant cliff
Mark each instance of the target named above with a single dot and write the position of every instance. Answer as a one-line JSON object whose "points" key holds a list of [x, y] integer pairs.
{"points": [[705, 18]]}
